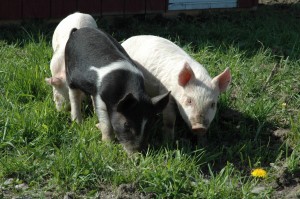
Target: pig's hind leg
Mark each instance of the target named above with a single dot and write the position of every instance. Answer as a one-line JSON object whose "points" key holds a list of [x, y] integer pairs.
{"points": [[104, 122], [75, 101]]}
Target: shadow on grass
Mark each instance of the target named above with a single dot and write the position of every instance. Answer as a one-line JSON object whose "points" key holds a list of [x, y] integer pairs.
{"points": [[232, 137], [247, 30], [26, 32]]}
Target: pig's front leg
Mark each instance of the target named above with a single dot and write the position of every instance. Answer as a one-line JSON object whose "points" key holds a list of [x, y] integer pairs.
{"points": [[75, 100], [169, 119], [104, 123]]}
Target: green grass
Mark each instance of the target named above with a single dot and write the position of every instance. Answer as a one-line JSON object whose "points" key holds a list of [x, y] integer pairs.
{"points": [[42, 148]]}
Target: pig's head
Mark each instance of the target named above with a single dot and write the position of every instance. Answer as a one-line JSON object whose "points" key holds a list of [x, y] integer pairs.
{"points": [[60, 92], [131, 116], [197, 99]]}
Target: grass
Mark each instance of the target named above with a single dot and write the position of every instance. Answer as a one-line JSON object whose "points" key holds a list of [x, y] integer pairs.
{"points": [[43, 149]]}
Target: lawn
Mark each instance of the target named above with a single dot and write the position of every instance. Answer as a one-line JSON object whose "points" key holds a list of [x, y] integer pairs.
{"points": [[257, 125]]}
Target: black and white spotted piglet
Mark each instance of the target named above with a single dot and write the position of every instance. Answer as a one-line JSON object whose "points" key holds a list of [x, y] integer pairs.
{"points": [[99, 66]]}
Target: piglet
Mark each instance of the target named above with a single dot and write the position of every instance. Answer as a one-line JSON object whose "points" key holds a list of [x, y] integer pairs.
{"points": [[57, 64], [98, 66], [167, 67]]}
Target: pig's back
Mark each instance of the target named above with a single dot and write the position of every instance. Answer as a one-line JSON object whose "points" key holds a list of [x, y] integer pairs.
{"points": [[152, 51], [160, 60], [92, 47], [157, 58], [91, 55], [62, 31]]}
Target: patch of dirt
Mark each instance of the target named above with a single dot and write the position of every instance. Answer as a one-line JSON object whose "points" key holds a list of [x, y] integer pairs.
{"points": [[287, 185], [281, 133], [124, 191]]}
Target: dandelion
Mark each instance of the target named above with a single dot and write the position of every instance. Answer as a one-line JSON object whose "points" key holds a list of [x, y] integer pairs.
{"points": [[259, 173]]}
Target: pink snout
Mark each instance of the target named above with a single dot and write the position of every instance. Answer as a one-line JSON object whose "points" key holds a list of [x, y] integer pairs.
{"points": [[199, 129]]}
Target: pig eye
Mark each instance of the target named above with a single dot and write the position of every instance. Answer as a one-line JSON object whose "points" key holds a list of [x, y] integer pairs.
{"points": [[189, 101], [213, 105], [126, 126]]}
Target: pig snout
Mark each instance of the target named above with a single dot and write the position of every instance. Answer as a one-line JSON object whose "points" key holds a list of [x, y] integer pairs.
{"points": [[199, 129], [199, 124]]}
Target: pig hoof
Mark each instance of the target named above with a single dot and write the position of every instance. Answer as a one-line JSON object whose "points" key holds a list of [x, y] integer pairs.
{"points": [[78, 120], [130, 151], [107, 138], [98, 126]]}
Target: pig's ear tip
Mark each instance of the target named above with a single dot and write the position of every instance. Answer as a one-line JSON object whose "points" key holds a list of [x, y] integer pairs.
{"points": [[227, 71], [168, 93]]}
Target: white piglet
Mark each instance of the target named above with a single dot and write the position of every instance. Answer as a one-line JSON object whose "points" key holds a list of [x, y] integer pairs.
{"points": [[57, 64], [167, 67]]}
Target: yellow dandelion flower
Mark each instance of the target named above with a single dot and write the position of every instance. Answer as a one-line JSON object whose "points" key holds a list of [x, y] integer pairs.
{"points": [[259, 173], [283, 105]]}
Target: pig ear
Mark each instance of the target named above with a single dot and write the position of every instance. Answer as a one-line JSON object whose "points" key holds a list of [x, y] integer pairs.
{"points": [[185, 75], [160, 101], [223, 80], [128, 102], [54, 81]]}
